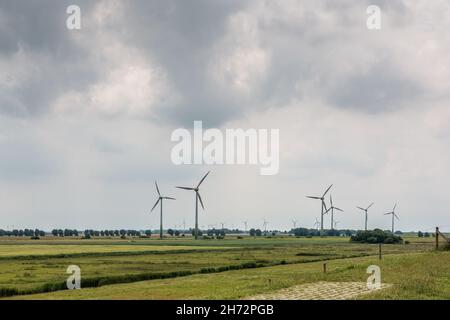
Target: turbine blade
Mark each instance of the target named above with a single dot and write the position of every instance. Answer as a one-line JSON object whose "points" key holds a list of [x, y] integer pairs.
{"points": [[361, 208], [388, 213], [311, 197], [394, 208], [331, 200], [185, 188], [370, 206], [203, 179], [327, 211], [324, 205], [396, 216], [157, 189], [155, 204], [327, 191], [200, 198], [170, 198], [339, 209]]}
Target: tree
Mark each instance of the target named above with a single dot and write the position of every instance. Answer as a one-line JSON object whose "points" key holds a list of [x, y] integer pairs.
{"points": [[258, 232], [148, 233], [252, 232], [376, 236], [420, 234], [170, 231], [177, 233]]}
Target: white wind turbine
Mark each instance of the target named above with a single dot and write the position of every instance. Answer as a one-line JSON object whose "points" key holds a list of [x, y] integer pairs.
{"points": [[332, 208], [366, 210], [393, 215], [160, 201], [323, 207], [197, 198]]}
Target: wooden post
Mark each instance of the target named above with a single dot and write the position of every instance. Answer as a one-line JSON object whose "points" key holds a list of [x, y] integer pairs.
{"points": [[437, 238], [324, 268], [379, 251]]}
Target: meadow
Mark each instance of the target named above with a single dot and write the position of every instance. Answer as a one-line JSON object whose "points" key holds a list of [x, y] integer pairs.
{"points": [[213, 269]]}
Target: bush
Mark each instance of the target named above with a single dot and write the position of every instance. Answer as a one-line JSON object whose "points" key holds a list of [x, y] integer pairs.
{"points": [[376, 236]]}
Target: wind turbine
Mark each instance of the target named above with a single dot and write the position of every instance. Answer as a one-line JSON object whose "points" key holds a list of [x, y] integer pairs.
{"points": [[335, 223], [324, 206], [332, 208], [317, 224], [160, 201], [222, 224], [365, 210], [197, 198], [294, 222], [245, 224], [393, 215], [265, 223]]}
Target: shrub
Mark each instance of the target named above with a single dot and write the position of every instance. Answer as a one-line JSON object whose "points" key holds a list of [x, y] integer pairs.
{"points": [[376, 236]]}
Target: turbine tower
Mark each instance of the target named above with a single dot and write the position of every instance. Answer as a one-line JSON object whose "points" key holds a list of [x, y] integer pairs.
{"points": [[160, 201], [197, 198], [393, 215], [245, 224], [332, 208], [294, 223], [365, 210], [324, 206]]}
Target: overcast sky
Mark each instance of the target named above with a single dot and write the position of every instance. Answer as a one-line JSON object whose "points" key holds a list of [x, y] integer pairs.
{"points": [[86, 115]]}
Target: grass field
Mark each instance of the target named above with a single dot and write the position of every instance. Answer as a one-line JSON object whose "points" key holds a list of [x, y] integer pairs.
{"points": [[214, 269]]}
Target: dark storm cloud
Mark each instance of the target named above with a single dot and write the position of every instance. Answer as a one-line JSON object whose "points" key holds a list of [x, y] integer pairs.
{"points": [[185, 38], [34, 33]]}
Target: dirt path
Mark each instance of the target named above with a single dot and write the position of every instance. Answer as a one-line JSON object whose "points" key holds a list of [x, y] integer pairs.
{"points": [[319, 291]]}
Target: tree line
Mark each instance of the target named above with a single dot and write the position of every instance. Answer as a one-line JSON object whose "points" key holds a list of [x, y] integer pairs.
{"points": [[22, 233]]}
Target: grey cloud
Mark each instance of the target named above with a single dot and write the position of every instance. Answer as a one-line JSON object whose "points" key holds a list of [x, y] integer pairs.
{"points": [[383, 88], [26, 161], [182, 37]]}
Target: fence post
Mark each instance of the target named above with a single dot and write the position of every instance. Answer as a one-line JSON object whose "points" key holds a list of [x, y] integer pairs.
{"points": [[324, 268], [437, 238], [379, 251]]}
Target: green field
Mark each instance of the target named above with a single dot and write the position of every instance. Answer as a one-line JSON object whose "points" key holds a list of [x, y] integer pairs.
{"points": [[214, 269]]}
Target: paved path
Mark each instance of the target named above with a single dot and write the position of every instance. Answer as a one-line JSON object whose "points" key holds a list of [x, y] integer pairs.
{"points": [[319, 291]]}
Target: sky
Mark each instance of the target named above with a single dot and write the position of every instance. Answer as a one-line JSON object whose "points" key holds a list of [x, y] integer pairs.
{"points": [[86, 116]]}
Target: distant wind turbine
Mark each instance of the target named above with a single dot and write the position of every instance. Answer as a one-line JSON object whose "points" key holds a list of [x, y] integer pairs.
{"points": [[197, 198], [393, 215], [317, 224], [245, 224], [332, 208], [265, 223], [365, 210], [324, 206], [160, 201], [294, 222]]}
